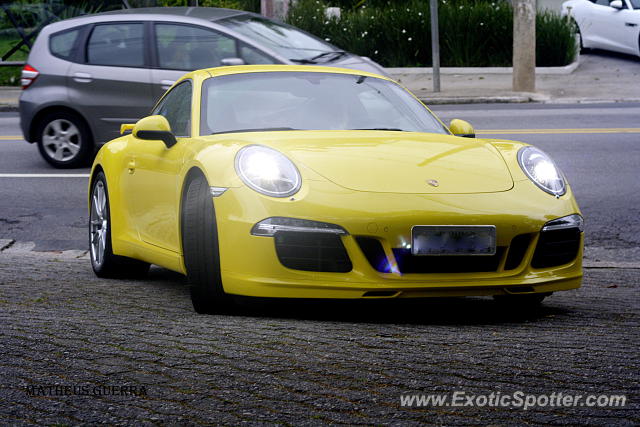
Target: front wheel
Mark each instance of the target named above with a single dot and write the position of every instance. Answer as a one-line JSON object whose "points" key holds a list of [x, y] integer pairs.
{"points": [[200, 249], [577, 29], [64, 140], [103, 261]]}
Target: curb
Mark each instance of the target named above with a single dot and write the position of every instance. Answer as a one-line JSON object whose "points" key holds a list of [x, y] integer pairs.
{"points": [[567, 69], [475, 100]]}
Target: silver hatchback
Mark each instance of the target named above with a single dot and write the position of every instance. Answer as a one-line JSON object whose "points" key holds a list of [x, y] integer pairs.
{"points": [[85, 76]]}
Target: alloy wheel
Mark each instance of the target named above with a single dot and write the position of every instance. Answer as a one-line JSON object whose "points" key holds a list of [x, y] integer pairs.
{"points": [[99, 223], [61, 140]]}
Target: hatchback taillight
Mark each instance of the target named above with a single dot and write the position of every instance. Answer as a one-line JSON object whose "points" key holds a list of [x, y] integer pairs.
{"points": [[29, 75]]}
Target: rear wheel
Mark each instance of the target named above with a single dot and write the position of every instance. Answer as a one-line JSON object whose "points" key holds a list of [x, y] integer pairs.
{"points": [[103, 261], [64, 140], [200, 249]]}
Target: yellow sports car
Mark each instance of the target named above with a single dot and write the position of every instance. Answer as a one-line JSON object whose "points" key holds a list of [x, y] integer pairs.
{"points": [[316, 182]]}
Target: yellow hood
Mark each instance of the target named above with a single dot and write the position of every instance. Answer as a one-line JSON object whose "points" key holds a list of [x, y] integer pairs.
{"points": [[393, 162]]}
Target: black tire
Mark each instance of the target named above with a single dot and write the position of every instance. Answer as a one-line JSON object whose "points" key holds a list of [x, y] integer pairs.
{"points": [[64, 140], [200, 249], [579, 33], [104, 262], [526, 301]]}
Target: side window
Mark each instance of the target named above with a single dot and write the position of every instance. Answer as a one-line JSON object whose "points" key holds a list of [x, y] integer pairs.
{"points": [[182, 47], [176, 107], [253, 56], [61, 44], [117, 45]]}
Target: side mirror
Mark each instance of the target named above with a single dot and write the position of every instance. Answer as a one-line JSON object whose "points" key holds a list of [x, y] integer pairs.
{"points": [[617, 4], [461, 128], [126, 127], [155, 128], [232, 61]]}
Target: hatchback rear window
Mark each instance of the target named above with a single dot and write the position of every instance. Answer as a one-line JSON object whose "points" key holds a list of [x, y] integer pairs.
{"points": [[61, 44]]}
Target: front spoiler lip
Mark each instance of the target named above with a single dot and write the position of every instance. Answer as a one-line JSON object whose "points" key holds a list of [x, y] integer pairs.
{"points": [[361, 290]]}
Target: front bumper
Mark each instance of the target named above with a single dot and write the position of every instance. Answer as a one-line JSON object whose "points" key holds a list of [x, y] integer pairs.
{"points": [[250, 265]]}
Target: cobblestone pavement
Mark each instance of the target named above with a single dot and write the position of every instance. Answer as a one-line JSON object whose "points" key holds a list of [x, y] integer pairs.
{"points": [[300, 363]]}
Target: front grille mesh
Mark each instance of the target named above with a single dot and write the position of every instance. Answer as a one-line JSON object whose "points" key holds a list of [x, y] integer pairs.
{"points": [[408, 263], [312, 252], [517, 250], [373, 251], [325, 252], [556, 247]]}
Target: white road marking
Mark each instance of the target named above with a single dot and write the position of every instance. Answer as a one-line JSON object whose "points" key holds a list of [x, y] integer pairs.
{"points": [[44, 175]]}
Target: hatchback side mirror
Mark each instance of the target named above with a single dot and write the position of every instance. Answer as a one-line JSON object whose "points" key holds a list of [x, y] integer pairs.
{"points": [[461, 128], [617, 4], [155, 128]]}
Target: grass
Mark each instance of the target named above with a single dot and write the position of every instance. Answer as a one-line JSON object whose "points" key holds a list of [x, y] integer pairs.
{"points": [[473, 33], [10, 76]]}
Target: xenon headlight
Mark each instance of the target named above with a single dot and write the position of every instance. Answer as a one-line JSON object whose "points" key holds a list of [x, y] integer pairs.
{"points": [[542, 170], [267, 171]]}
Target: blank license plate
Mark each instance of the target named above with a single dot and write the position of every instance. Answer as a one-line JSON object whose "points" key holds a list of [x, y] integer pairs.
{"points": [[453, 240]]}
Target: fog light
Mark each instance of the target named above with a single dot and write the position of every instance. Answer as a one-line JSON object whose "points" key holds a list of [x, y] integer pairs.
{"points": [[270, 226]]}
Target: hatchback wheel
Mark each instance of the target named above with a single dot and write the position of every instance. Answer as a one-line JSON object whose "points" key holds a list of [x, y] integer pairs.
{"points": [[64, 140]]}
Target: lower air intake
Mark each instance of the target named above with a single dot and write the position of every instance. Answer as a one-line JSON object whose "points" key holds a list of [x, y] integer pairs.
{"points": [[556, 247], [322, 252], [408, 263]]}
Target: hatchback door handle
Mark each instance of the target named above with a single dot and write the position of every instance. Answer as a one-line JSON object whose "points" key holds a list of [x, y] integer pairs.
{"points": [[630, 24], [82, 77], [166, 84], [131, 166]]}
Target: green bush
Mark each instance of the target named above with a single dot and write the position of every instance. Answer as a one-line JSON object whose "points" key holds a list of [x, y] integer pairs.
{"points": [[250, 5], [473, 33]]}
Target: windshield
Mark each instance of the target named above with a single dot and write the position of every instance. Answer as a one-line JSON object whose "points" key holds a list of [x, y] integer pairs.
{"points": [[310, 100], [285, 40], [635, 4]]}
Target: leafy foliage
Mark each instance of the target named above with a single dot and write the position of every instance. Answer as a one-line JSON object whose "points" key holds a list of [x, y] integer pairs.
{"points": [[473, 33]]}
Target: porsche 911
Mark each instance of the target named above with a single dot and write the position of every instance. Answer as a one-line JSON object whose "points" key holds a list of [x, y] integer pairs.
{"points": [[316, 182]]}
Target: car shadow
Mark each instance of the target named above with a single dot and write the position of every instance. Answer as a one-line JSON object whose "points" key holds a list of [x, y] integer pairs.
{"points": [[434, 311], [611, 55]]}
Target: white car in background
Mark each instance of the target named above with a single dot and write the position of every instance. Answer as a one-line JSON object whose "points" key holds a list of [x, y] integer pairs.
{"points": [[604, 24]]}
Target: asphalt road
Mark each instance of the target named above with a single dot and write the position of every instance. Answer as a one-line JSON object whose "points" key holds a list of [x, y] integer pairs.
{"points": [[602, 168], [81, 350]]}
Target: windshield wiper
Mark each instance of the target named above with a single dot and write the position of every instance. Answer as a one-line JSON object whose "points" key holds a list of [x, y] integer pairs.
{"points": [[252, 130], [303, 61], [313, 60], [393, 129], [338, 53]]}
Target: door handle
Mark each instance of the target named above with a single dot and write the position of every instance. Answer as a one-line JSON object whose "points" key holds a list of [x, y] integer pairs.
{"points": [[166, 84], [630, 24], [82, 77], [131, 166]]}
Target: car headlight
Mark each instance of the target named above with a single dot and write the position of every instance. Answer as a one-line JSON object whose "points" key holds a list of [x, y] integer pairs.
{"points": [[267, 171], [542, 170]]}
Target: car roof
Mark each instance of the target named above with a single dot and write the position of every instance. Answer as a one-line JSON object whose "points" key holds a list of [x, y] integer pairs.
{"points": [[188, 14], [206, 13]]}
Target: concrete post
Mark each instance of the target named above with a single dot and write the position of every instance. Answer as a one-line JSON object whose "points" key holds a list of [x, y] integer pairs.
{"points": [[524, 45], [274, 8], [435, 45]]}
